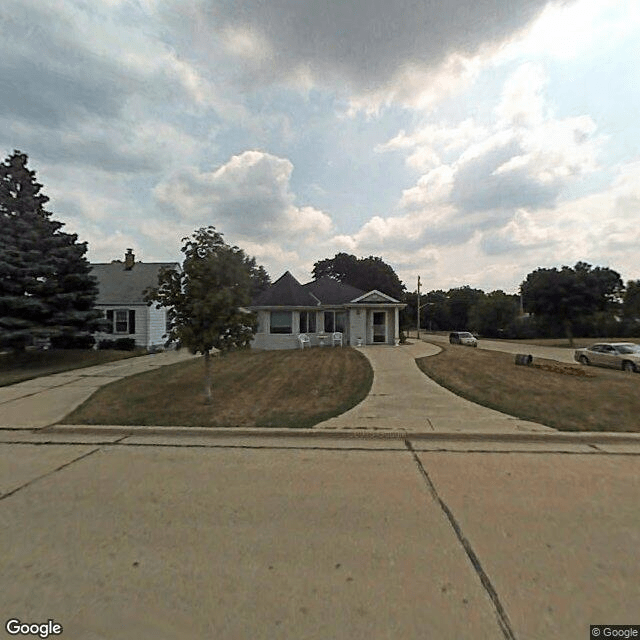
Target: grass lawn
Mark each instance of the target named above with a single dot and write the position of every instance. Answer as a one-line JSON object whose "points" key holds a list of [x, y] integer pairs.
{"points": [[250, 389], [567, 397], [33, 364]]}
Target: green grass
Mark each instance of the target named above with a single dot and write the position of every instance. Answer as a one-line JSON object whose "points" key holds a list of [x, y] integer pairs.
{"points": [[567, 397], [17, 367], [250, 389]]}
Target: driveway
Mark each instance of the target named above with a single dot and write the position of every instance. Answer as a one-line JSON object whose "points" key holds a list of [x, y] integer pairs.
{"points": [[550, 353], [46, 400], [316, 539], [402, 398]]}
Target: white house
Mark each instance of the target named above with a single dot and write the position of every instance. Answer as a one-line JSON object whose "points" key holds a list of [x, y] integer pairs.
{"points": [[121, 297], [318, 309]]}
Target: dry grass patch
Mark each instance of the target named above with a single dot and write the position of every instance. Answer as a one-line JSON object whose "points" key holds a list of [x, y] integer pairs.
{"points": [[250, 389], [567, 397], [34, 364], [578, 343]]}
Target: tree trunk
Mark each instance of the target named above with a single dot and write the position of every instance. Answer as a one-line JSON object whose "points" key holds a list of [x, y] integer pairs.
{"points": [[568, 329], [207, 377]]}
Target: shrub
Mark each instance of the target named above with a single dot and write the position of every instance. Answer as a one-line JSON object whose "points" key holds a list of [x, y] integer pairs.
{"points": [[121, 344], [81, 341]]}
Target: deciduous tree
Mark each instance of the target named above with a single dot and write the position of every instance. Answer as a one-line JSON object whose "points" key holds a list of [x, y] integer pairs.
{"points": [[205, 298], [362, 273]]}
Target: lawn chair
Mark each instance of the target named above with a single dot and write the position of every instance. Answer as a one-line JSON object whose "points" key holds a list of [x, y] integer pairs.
{"points": [[303, 339], [336, 338]]}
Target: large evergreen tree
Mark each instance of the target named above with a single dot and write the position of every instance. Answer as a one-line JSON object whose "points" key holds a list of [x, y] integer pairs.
{"points": [[46, 289]]}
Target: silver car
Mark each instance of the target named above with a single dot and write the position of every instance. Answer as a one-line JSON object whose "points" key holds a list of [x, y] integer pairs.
{"points": [[617, 355]]}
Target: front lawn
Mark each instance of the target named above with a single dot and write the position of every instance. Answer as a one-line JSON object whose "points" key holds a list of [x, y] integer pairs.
{"points": [[567, 397], [17, 367], [250, 389]]}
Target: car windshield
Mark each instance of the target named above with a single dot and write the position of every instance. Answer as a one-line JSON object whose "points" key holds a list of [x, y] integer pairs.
{"points": [[628, 348]]}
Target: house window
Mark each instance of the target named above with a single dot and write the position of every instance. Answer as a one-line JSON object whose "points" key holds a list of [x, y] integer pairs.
{"points": [[121, 320], [335, 321], [307, 322], [281, 321]]}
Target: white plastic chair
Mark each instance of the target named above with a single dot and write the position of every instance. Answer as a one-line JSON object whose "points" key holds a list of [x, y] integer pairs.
{"points": [[303, 338], [336, 338]]}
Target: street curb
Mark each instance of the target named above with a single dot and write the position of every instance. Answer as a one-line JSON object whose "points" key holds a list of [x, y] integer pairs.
{"points": [[360, 434]]}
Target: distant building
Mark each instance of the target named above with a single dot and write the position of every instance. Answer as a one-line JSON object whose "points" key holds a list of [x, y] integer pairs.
{"points": [[121, 298]]}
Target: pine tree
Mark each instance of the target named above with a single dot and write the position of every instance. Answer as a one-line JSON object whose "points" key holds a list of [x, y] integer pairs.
{"points": [[46, 289]]}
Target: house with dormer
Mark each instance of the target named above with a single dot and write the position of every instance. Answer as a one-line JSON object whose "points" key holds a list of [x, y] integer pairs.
{"points": [[320, 309]]}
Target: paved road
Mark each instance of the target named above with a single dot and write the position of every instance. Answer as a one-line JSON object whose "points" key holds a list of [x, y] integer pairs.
{"points": [[551, 353], [231, 538]]}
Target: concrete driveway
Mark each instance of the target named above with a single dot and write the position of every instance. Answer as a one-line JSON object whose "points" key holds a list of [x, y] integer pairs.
{"points": [[46, 400], [114, 538], [550, 353]]}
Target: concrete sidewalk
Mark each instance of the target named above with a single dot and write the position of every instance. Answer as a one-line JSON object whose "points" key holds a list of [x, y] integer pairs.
{"points": [[403, 398], [47, 400]]}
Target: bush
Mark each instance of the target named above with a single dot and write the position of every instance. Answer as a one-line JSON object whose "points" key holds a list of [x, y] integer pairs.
{"points": [[125, 344], [121, 344], [81, 341]]}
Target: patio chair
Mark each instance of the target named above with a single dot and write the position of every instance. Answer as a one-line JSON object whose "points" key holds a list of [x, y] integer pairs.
{"points": [[336, 338], [303, 338]]}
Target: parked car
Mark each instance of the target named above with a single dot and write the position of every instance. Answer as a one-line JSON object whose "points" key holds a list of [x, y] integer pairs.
{"points": [[463, 337], [618, 355]]}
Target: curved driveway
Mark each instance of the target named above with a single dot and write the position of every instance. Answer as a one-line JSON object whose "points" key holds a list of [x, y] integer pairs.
{"points": [[550, 353], [402, 398]]}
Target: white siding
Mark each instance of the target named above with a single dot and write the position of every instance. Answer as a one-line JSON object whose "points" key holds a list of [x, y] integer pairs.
{"points": [[157, 326], [142, 324]]}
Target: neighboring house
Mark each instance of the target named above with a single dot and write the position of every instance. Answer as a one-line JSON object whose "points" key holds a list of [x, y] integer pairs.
{"points": [[287, 308], [121, 297]]}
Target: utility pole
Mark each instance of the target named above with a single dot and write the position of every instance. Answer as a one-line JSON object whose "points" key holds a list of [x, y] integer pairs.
{"points": [[418, 310]]}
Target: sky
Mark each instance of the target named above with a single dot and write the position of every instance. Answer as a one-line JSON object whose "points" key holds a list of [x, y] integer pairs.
{"points": [[467, 141]]}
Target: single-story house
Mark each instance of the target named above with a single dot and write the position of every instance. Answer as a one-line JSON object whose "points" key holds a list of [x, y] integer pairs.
{"points": [[318, 309], [121, 287]]}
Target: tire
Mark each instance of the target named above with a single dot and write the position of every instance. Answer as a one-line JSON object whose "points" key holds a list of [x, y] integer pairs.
{"points": [[584, 360], [628, 366]]}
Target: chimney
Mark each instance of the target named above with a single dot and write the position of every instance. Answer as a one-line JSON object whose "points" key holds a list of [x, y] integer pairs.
{"points": [[129, 260]]}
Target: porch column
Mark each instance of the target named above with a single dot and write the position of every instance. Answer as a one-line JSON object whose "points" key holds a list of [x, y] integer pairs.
{"points": [[396, 327]]}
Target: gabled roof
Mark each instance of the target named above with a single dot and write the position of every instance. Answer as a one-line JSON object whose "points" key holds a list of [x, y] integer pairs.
{"points": [[286, 291], [118, 285], [330, 291], [374, 296]]}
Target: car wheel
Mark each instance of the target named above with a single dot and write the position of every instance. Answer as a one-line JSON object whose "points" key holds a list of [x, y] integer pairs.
{"points": [[628, 366], [584, 360]]}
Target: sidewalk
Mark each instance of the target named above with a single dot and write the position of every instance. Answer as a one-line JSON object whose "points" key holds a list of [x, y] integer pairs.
{"points": [[403, 398], [44, 401]]}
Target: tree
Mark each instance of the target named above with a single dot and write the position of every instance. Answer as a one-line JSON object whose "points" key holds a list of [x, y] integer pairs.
{"points": [[46, 289], [362, 273], [493, 313], [205, 298], [568, 294], [460, 301], [631, 303]]}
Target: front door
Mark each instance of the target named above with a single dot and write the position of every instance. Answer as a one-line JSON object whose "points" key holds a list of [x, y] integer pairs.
{"points": [[379, 326]]}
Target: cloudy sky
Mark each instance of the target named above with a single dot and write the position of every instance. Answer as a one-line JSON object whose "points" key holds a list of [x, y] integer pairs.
{"points": [[468, 141]]}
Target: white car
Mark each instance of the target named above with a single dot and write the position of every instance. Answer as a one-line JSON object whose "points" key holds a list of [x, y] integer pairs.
{"points": [[618, 355], [463, 337]]}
